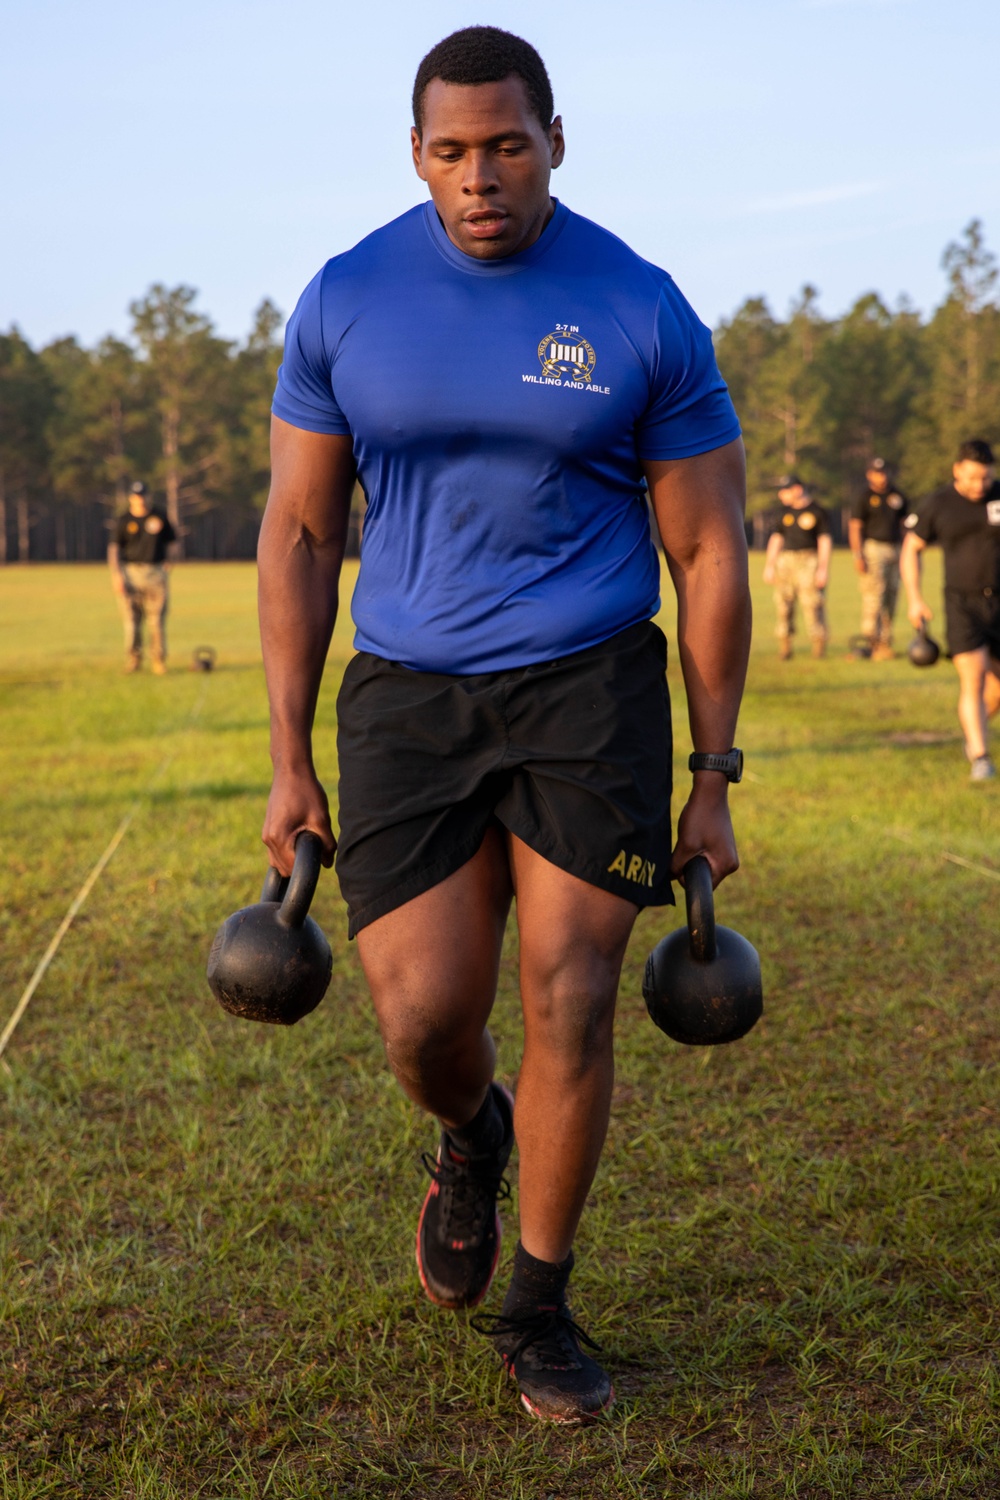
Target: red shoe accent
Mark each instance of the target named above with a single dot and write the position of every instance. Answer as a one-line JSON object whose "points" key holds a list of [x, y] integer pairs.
{"points": [[440, 1301]]}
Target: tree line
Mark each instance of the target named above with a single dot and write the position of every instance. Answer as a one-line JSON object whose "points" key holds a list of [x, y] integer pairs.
{"points": [[822, 396], [187, 410], [175, 405]]}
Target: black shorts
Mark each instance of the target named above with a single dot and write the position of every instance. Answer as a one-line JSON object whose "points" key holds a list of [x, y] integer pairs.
{"points": [[572, 756], [972, 621]]}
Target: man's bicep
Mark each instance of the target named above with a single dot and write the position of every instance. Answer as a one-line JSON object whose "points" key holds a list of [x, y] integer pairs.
{"points": [[312, 480], [699, 497]]}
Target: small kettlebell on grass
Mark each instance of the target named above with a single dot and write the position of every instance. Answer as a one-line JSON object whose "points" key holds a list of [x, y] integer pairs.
{"points": [[271, 962], [203, 658], [702, 984], [922, 650]]}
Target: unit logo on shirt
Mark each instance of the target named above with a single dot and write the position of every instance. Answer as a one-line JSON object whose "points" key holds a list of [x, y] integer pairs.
{"points": [[808, 521], [993, 512], [565, 353], [567, 360]]}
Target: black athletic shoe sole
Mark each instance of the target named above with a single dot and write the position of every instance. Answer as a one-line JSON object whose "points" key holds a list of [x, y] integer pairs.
{"points": [[562, 1419]]}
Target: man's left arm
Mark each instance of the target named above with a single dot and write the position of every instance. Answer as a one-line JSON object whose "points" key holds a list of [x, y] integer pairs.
{"points": [[172, 548], [824, 551], [700, 504]]}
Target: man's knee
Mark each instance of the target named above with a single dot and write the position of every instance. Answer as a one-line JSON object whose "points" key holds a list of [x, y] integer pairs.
{"points": [[570, 1010], [429, 1015], [419, 1046]]}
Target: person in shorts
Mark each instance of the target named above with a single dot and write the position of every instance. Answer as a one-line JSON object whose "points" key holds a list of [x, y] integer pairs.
{"points": [[797, 563], [139, 558], [875, 531], [963, 518], [504, 377]]}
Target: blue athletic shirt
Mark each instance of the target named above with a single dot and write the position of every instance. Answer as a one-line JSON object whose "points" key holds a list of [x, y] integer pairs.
{"points": [[499, 410]]}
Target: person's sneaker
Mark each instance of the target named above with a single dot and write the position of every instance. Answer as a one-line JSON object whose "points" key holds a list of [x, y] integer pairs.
{"points": [[160, 668], [540, 1350], [784, 650], [883, 652], [458, 1237], [982, 769], [819, 650]]}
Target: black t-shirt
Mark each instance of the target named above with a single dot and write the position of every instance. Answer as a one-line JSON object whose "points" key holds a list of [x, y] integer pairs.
{"points": [[968, 532], [143, 539], [881, 516], [800, 528]]}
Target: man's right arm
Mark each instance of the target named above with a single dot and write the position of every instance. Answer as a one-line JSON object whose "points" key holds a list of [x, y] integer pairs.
{"points": [[909, 570], [775, 544], [299, 555], [856, 538], [115, 565]]}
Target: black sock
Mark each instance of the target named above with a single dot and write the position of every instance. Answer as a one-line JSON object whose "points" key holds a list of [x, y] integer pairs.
{"points": [[536, 1282], [485, 1131]]}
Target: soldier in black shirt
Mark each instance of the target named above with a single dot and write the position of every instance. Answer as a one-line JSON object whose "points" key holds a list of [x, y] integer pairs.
{"points": [[876, 535], [138, 559], [797, 562], [964, 517]]}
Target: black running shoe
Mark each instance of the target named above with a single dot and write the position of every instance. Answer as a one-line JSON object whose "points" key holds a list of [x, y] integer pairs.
{"points": [[540, 1349], [458, 1237]]}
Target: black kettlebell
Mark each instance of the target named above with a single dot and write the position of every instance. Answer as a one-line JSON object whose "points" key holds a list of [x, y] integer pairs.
{"points": [[702, 983], [271, 962], [202, 659], [922, 650]]}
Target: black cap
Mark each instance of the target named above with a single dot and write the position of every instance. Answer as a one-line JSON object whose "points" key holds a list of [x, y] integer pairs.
{"points": [[879, 464], [139, 488], [787, 480]]}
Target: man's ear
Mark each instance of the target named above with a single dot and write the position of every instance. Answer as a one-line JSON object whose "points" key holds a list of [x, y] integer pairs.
{"points": [[558, 141], [415, 149]]}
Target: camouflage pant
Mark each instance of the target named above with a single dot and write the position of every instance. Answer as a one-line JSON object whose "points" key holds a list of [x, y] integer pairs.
{"points": [[147, 595], [879, 587], [795, 574]]}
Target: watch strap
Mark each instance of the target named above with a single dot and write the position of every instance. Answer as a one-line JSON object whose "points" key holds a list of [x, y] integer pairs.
{"points": [[730, 763]]}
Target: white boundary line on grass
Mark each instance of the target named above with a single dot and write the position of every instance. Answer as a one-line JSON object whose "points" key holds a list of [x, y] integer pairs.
{"points": [[88, 886], [904, 838], [955, 859]]}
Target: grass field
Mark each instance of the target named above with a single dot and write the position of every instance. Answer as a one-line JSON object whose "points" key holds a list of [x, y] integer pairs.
{"points": [[208, 1287]]}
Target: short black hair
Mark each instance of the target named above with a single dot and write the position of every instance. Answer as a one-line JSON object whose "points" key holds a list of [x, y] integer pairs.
{"points": [[485, 54], [976, 450]]}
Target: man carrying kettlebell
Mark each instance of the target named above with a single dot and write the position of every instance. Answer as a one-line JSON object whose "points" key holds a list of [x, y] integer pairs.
{"points": [[964, 518], [139, 559], [503, 375], [797, 562], [876, 534]]}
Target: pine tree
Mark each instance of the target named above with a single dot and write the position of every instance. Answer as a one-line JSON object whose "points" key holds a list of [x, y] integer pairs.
{"points": [[961, 395], [872, 370], [186, 366], [25, 404]]}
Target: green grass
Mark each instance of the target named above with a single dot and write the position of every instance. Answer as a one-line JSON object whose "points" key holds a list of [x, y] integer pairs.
{"points": [[206, 1284]]}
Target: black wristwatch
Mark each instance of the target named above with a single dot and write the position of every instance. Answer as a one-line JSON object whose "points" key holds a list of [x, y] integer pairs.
{"points": [[730, 764]]}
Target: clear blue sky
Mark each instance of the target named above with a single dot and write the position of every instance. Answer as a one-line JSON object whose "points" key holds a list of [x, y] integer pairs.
{"points": [[746, 145]]}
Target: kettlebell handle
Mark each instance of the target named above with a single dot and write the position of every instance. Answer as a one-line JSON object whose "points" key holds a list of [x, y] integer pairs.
{"points": [[295, 892], [700, 908], [275, 885]]}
